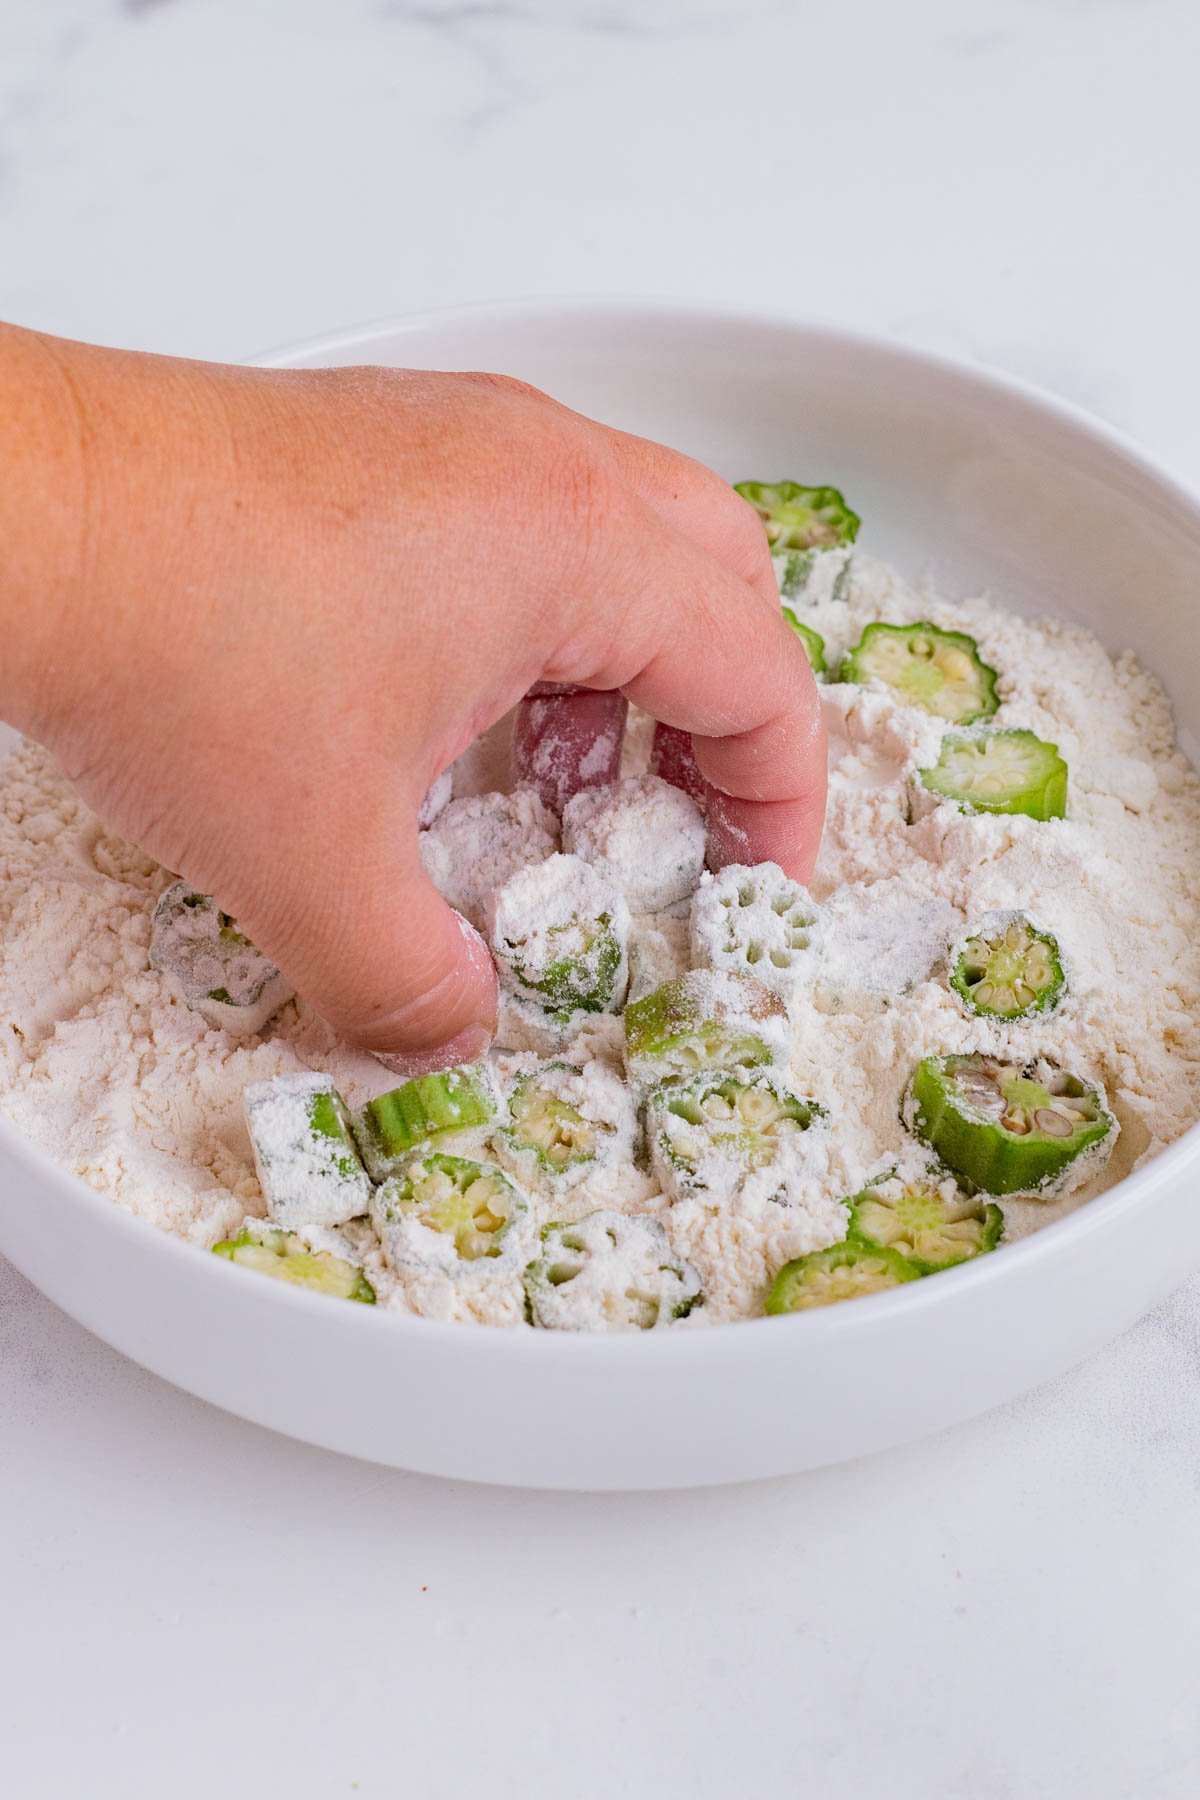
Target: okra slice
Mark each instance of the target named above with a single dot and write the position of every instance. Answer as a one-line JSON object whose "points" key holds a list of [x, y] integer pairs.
{"points": [[478, 841], [942, 672], [285, 1257], [609, 1271], [708, 1018], [814, 643], [644, 834], [446, 1212], [796, 517], [1007, 968], [813, 575], [751, 919], [1010, 1128], [564, 1120], [559, 931], [721, 1135], [930, 1222], [845, 1271], [308, 1167], [213, 967], [1000, 772], [423, 1113]]}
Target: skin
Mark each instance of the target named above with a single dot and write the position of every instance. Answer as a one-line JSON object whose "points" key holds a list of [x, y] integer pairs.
{"points": [[254, 614]]}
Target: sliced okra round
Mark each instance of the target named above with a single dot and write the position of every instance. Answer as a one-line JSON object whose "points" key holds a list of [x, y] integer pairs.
{"points": [[813, 575], [1000, 772], [212, 966], [814, 643], [796, 517], [644, 834], [559, 932], [940, 671], [609, 1271], [446, 1212], [1007, 968], [307, 1163], [708, 1018], [563, 1120], [285, 1257], [720, 1135], [930, 1222], [846, 1271], [1008, 1128], [754, 920], [430, 1110]]}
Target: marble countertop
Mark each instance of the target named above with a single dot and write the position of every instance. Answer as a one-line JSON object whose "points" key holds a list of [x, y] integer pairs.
{"points": [[1008, 1612]]}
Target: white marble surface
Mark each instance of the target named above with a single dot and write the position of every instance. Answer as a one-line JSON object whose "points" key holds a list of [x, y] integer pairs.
{"points": [[193, 1606]]}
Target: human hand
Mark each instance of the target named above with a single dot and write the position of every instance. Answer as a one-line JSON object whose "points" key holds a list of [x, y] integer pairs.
{"points": [[295, 597]]}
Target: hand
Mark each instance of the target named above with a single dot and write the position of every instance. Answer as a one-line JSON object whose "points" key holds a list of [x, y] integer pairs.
{"points": [[262, 611]]}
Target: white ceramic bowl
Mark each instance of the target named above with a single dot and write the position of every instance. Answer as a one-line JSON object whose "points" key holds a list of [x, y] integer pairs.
{"points": [[976, 480]]}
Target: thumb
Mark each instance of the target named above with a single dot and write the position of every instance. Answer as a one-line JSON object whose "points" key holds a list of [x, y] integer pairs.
{"points": [[390, 966]]}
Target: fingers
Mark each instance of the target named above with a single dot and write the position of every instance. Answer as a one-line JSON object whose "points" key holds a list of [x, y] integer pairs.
{"points": [[673, 759], [694, 501], [382, 957], [690, 643], [566, 740]]}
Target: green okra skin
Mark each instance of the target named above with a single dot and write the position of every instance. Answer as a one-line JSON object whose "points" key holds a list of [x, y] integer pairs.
{"points": [[1007, 968], [608, 1271], [430, 1110], [796, 517], [705, 1019], [562, 1122], [285, 1257], [1000, 771], [307, 1162], [940, 671], [814, 643], [916, 1217], [710, 1134], [846, 1271], [584, 983], [1007, 1128]]}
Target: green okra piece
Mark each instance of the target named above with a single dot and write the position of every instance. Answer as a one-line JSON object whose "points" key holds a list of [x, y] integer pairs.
{"points": [[796, 517], [710, 1133], [427, 1111], [1008, 969], [214, 968], [1000, 772], [940, 671], [608, 1271], [845, 1271], [707, 1018], [285, 1257], [814, 643], [1005, 1127], [549, 1128], [916, 1217], [471, 1204], [307, 1163]]}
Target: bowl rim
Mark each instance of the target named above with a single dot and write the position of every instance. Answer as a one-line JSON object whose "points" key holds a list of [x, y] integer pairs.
{"points": [[821, 1326]]}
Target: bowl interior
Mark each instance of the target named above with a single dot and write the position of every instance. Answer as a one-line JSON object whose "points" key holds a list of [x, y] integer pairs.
{"points": [[969, 480]]}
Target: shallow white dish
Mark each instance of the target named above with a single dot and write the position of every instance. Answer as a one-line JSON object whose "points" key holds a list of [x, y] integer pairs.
{"points": [[977, 481]]}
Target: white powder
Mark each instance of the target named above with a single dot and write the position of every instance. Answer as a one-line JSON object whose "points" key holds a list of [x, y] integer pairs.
{"points": [[102, 1066], [647, 835]]}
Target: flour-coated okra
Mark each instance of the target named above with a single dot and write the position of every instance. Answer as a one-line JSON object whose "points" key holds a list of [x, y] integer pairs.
{"points": [[451, 1109], [927, 1218], [285, 1257], [559, 933], [563, 1121], [609, 1271], [707, 1018], [447, 1212], [1010, 1128], [751, 919], [722, 1134], [846, 1271], [213, 967], [307, 1162]]}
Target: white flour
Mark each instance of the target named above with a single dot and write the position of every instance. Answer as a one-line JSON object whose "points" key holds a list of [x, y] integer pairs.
{"points": [[106, 1070]]}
